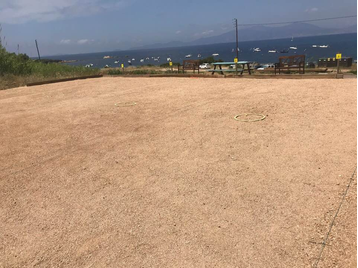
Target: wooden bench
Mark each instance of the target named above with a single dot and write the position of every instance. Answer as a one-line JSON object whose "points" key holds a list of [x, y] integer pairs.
{"points": [[189, 65], [291, 62]]}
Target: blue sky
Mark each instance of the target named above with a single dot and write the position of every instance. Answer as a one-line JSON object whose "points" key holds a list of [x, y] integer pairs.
{"points": [[80, 26]]}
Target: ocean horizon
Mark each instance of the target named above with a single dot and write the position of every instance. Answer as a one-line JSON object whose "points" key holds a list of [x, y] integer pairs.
{"points": [[343, 43]]}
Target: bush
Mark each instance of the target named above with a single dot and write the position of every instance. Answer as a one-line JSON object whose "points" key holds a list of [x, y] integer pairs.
{"points": [[22, 65], [210, 59], [166, 65], [144, 72], [114, 72]]}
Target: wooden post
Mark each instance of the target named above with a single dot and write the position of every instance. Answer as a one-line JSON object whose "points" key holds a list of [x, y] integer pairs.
{"points": [[338, 58], [237, 45], [38, 52], [171, 65]]}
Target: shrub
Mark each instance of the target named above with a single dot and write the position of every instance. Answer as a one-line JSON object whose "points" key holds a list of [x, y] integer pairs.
{"points": [[114, 72], [210, 59], [166, 65]]}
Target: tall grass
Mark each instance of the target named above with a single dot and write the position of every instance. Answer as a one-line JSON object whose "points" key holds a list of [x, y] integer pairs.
{"points": [[17, 70]]}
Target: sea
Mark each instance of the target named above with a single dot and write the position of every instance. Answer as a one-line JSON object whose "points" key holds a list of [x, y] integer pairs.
{"points": [[343, 43]]}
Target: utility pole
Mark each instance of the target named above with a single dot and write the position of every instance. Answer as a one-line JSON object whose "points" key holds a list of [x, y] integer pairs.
{"points": [[38, 52], [237, 45]]}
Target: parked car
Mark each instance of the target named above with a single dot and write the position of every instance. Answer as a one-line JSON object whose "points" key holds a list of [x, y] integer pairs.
{"points": [[310, 65], [204, 66]]}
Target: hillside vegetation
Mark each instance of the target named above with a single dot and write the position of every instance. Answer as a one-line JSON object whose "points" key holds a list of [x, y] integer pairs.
{"points": [[18, 70]]}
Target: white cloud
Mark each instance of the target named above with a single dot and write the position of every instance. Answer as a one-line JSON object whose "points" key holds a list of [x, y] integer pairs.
{"points": [[65, 41], [311, 10], [21, 11], [207, 32], [178, 32], [83, 41]]}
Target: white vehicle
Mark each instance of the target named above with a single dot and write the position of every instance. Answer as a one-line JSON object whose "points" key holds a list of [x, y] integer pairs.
{"points": [[216, 54], [272, 51], [323, 46], [188, 56], [256, 49], [204, 66], [293, 48]]}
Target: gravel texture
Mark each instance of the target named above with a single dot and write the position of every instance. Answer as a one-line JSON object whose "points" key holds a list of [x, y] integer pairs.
{"points": [[175, 181]]}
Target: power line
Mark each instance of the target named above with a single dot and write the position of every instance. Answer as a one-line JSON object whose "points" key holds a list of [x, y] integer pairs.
{"points": [[297, 21]]}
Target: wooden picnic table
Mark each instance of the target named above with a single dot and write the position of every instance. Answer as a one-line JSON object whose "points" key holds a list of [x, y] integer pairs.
{"points": [[218, 67]]}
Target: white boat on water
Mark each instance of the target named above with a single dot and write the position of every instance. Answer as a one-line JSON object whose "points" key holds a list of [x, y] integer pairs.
{"points": [[116, 61], [129, 61], [106, 66], [256, 49], [216, 54], [142, 60], [323, 46], [133, 59], [293, 48], [314, 45], [188, 56], [106, 57], [272, 51], [169, 59], [147, 58], [199, 55]]}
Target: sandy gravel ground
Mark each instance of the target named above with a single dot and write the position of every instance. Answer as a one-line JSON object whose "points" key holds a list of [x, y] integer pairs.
{"points": [[175, 181]]}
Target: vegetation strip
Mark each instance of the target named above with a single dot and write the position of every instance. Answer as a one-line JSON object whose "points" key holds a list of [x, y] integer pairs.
{"points": [[63, 80]]}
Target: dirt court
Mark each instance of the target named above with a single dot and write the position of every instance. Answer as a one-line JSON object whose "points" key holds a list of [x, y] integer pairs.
{"points": [[175, 181]]}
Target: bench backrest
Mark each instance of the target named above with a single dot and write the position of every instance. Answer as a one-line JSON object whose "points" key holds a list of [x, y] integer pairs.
{"points": [[292, 61], [191, 64]]}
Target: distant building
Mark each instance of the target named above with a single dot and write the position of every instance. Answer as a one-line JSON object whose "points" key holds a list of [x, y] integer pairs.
{"points": [[332, 62]]}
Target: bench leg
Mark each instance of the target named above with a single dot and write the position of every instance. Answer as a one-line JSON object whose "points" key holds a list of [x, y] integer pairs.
{"points": [[214, 70], [221, 70]]}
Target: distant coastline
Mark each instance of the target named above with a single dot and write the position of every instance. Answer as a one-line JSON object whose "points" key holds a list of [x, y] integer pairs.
{"points": [[344, 43]]}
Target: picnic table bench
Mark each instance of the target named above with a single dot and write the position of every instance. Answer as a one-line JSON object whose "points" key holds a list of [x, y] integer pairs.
{"points": [[218, 67], [189, 65], [291, 62]]}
